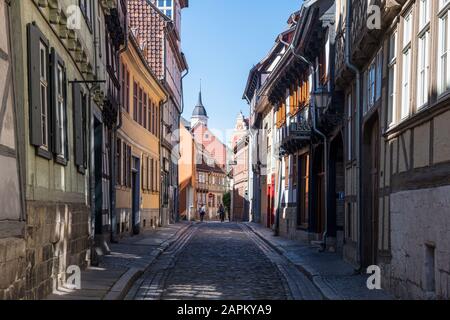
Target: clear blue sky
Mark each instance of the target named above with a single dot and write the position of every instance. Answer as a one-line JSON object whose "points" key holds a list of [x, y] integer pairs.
{"points": [[222, 40]]}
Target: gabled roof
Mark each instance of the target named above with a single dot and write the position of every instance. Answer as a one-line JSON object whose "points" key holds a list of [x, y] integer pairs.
{"points": [[152, 24], [287, 36]]}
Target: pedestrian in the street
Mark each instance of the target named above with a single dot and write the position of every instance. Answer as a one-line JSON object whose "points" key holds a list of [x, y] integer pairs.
{"points": [[202, 212], [222, 213]]}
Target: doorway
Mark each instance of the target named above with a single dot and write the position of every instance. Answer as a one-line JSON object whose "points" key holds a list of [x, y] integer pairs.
{"points": [[336, 198], [370, 192], [319, 191], [270, 203]]}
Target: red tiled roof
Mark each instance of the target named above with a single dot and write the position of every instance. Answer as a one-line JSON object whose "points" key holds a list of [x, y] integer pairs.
{"points": [[149, 24]]}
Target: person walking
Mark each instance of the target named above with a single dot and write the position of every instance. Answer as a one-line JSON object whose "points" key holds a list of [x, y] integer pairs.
{"points": [[222, 213], [202, 212]]}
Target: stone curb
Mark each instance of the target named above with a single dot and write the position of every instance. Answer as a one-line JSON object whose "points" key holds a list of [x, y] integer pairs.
{"points": [[327, 292], [127, 280]]}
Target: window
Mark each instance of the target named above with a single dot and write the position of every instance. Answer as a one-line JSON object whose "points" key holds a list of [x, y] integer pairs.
{"points": [[152, 126], [443, 34], [406, 76], [145, 111], [43, 57], [392, 86], [140, 108], [371, 84], [127, 95], [423, 66], [166, 7], [374, 76], [123, 79], [423, 53], [61, 112], [135, 101], [86, 9], [424, 13]]}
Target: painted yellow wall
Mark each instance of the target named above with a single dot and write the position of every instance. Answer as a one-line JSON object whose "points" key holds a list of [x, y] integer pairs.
{"points": [[141, 140]]}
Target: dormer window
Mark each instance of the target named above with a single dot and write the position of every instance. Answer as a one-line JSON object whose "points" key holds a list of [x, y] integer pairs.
{"points": [[166, 6]]}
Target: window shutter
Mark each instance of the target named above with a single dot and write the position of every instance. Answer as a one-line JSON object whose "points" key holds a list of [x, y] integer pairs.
{"points": [[56, 138], [125, 165], [34, 38], [143, 172], [129, 166], [78, 124], [119, 162]]}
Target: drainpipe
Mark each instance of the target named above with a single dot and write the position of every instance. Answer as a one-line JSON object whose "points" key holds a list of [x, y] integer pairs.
{"points": [[357, 72], [115, 129], [320, 133]]}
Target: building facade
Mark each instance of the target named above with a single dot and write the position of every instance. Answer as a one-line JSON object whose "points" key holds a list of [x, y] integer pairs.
{"points": [[111, 27], [188, 172], [360, 103], [211, 185], [54, 92], [138, 149], [12, 213], [161, 31], [241, 174], [262, 146], [397, 137]]}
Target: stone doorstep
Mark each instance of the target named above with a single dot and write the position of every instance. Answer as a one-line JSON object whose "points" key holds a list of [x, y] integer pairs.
{"points": [[126, 281]]}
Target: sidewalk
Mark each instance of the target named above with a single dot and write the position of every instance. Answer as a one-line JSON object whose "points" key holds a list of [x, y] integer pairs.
{"points": [[334, 277], [118, 271]]}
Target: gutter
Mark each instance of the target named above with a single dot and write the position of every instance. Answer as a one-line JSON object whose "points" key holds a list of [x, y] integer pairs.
{"points": [[357, 72]]}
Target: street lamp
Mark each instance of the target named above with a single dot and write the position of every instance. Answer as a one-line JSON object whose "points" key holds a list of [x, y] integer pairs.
{"points": [[321, 97]]}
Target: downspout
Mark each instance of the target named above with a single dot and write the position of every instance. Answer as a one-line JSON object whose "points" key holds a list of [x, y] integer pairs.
{"points": [[116, 128], [357, 72], [320, 133]]}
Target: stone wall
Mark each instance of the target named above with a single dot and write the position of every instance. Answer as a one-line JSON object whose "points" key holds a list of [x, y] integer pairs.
{"points": [[57, 236], [420, 231], [13, 266]]}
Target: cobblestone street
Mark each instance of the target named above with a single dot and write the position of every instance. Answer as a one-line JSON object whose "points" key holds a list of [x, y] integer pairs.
{"points": [[222, 261]]}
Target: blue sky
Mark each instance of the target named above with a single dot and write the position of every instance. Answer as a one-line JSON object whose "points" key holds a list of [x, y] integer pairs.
{"points": [[222, 40]]}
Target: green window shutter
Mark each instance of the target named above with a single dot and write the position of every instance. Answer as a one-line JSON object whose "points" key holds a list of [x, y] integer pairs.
{"points": [[35, 37], [78, 125]]}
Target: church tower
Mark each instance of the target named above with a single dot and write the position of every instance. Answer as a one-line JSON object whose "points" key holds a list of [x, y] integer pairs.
{"points": [[199, 115]]}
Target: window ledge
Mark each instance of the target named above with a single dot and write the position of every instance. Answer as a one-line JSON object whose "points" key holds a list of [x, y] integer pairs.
{"points": [[61, 161], [41, 152]]}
